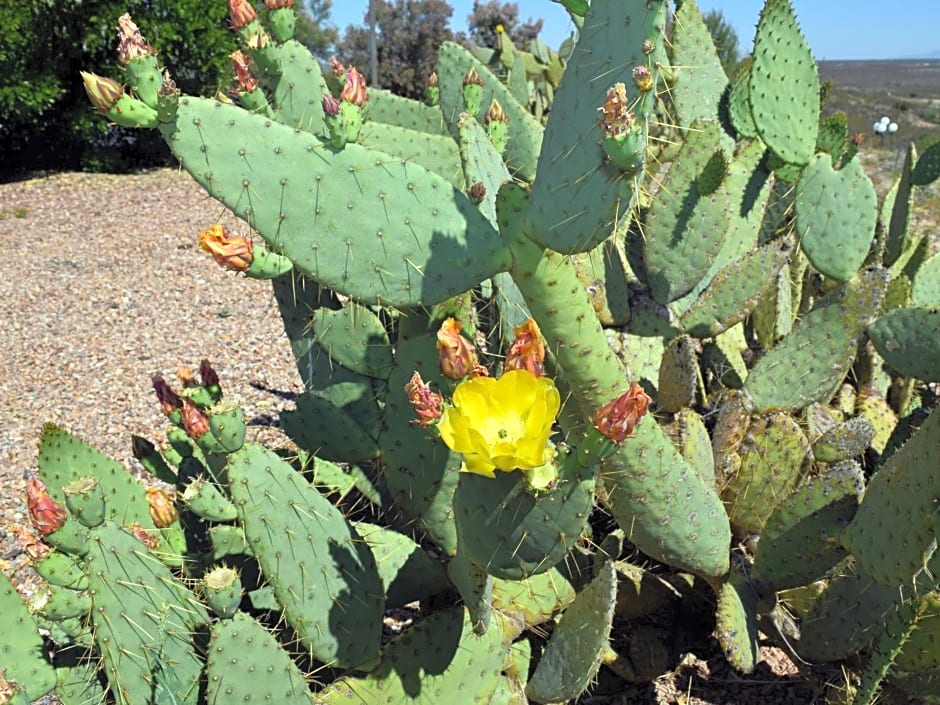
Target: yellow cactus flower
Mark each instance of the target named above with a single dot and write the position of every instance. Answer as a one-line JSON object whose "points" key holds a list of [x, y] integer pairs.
{"points": [[502, 423]]}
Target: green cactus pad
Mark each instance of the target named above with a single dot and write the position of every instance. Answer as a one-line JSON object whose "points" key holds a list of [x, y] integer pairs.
{"points": [[580, 193], [436, 153], [690, 436], [700, 80], [736, 622], [774, 454], [245, 664], [678, 375], [433, 660], [62, 603], [206, 501], [833, 135], [405, 236], [538, 598], [63, 570], [228, 540], [298, 88], [928, 166], [846, 440], [921, 652], [143, 618], [512, 531], [810, 363], [926, 289], [23, 652], [665, 507], [783, 89], [800, 541], [909, 340], [898, 626], [574, 652], [386, 107], [735, 291], [900, 199], [408, 572], [739, 100], [339, 423], [282, 515], [685, 226], [891, 536], [475, 587], [525, 132], [482, 163], [835, 216], [354, 337]]}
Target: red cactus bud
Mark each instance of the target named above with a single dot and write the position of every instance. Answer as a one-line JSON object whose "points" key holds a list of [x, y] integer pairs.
{"points": [[643, 78], [354, 89], [472, 78], [337, 68], [131, 44], [427, 404], [618, 119], [244, 79], [477, 192], [330, 105], [47, 516], [102, 92], [208, 375], [618, 418], [457, 355], [195, 422], [495, 113], [170, 401], [278, 4], [241, 12], [162, 510], [144, 536], [527, 351], [230, 251]]}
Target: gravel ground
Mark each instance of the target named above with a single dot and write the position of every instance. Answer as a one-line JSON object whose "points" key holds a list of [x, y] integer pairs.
{"points": [[109, 287]]}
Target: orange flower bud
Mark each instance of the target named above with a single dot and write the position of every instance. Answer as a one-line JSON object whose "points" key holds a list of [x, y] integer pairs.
{"points": [[527, 351], [472, 78], [354, 89], [229, 251], [102, 92], [195, 422], [427, 404], [47, 516], [131, 44], [457, 355], [617, 419], [242, 13], [495, 113], [162, 510], [278, 4]]}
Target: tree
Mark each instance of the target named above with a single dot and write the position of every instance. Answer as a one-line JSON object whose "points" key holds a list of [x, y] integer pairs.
{"points": [[726, 40], [314, 30], [486, 15], [46, 120], [408, 35]]}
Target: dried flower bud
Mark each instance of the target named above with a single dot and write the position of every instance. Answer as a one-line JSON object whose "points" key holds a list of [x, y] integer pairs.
{"points": [[232, 252], [208, 375], [337, 67], [617, 117], [162, 510], [432, 80], [495, 113], [527, 351], [617, 419], [643, 78], [330, 105], [131, 44], [170, 401], [354, 89], [144, 536], [9, 689], [427, 404], [102, 92], [857, 139], [47, 516], [168, 86], [242, 13], [648, 46], [29, 543], [245, 80], [186, 376], [457, 354], [477, 192], [195, 422], [472, 78]]}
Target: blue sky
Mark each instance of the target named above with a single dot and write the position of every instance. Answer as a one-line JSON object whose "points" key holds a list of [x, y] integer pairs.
{"points": [[862, 29]]}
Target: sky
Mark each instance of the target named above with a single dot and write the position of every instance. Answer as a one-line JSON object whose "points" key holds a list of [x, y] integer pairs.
{"points": [[835, 31]]}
